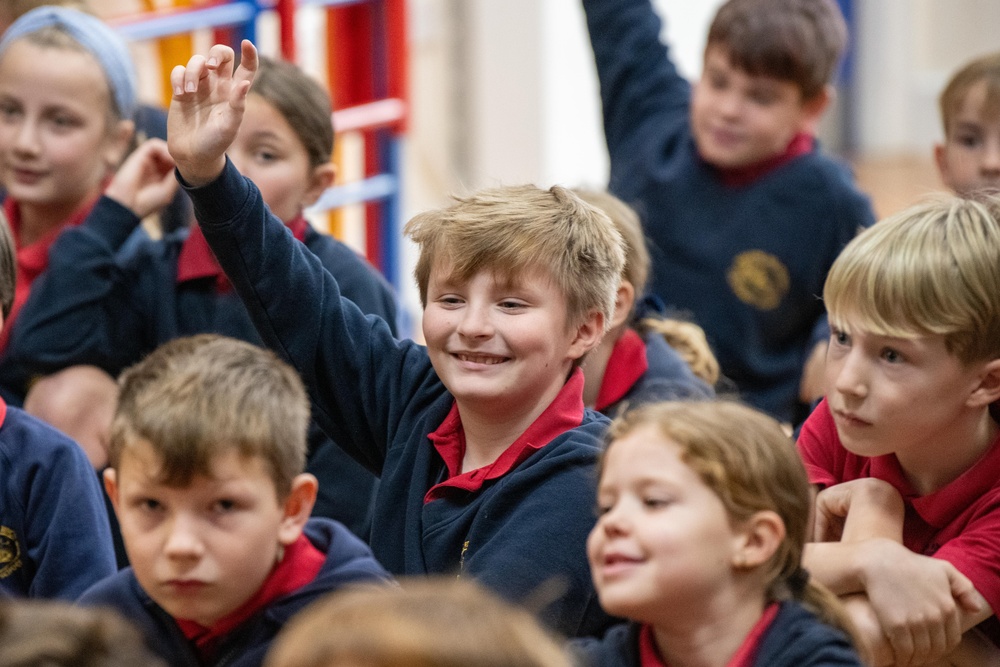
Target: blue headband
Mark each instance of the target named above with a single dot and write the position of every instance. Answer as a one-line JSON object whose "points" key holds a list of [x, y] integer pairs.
{"points": [[94, 36]]}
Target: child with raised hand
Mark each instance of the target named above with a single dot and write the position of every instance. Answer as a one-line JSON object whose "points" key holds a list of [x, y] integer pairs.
{"points": [[968, 159], [54, 536], [905, 446], [208, 449], [67, 96], [743, 212], [100, 309], [703, 515], [484, 449], [645, 356]]}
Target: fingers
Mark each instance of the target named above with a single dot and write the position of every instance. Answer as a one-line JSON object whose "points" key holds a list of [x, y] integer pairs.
{"points": [[964, 593], [188, 79]]}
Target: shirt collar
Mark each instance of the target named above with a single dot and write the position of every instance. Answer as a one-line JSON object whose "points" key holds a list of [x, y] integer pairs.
{"points": [[563, 413], [627, 363], [801, 144]]}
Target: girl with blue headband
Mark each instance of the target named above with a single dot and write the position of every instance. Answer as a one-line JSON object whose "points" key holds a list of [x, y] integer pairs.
{"points": [[67, 97]]}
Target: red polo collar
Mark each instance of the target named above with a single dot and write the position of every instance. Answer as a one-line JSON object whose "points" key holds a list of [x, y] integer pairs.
{"points": [[197, 261], [801, 144], [564, 413], [299, 566], [627, 363]]}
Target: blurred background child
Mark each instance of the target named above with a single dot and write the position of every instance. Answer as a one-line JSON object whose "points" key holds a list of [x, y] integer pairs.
{"points": [[703, 515], [968, 159], [644, 356], [100, 309], [67, 99]]}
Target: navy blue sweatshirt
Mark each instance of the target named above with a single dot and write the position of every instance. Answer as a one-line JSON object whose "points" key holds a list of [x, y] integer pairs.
{"points": [[747, 262], [348, 561], [795, 638], [522, 534], [96, 305], [55, 540]]}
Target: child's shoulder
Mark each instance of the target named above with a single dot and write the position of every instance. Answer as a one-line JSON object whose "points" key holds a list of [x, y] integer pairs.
{"points": [[30, 440], [797, 638]]}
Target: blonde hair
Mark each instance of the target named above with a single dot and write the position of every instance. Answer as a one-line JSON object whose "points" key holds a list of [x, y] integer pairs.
{"points": [[427, 622], [509, 230], [985, 69], [687, 338], [932, 269], [749, 462], [195, 398]]}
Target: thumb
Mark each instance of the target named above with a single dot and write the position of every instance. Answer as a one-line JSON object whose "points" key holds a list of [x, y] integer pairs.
{"points": [[965, 594]]}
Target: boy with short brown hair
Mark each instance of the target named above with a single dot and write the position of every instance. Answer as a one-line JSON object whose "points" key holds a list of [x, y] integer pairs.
{"points": [[208, 446], [743, 212], [969, 157], [485, 452]]}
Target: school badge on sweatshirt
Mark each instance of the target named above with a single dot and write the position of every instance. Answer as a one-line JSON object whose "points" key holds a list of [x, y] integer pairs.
{"points": [[10, 552]]}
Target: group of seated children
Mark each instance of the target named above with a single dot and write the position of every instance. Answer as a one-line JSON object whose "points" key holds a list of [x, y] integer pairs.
{"points": [[705, 550]]}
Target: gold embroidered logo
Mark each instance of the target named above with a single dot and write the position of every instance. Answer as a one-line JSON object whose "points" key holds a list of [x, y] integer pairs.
{"points": [[10, 552], [461, 558], [759, 279]]}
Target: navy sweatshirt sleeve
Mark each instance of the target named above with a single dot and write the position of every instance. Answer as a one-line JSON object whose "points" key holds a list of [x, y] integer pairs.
{"points": [[359, 376], [54, 533], [86, 308], [644, 99]]}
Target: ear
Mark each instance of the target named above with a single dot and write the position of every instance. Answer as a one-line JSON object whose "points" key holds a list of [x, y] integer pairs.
{"points": [[814, 108], [117, 143], [624, 300], [758, 539], [941, 160], [987, 389], [298, 506], [587, 335], [319, 180], [111, 486]]}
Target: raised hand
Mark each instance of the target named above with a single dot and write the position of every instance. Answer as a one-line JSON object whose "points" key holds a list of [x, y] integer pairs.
{"points": [[145, 182], [209, 97]]}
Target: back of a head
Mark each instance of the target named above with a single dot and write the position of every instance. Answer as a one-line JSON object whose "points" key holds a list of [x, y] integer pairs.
{"points": [[932, 269], [986, 70], [46, 633], [510, 230], [195, 398], [793, 40], [426, 622], [301, 100]]}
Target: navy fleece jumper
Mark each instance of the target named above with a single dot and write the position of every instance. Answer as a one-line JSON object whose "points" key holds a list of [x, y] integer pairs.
{"points": [[522, 534]]}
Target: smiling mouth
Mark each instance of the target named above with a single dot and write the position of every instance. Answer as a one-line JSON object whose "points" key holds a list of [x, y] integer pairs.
{"points": [[484, 359], [850, 419]]}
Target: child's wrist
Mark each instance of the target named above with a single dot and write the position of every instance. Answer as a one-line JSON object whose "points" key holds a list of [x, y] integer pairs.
{"points": [[198, 174]]}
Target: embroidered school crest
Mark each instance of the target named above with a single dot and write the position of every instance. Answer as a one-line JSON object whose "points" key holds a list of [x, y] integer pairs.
{"points": [[759, 279], [10, 552]]}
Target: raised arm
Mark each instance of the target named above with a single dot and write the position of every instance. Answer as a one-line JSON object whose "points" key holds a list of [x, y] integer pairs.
{"points": [[643, 97]]}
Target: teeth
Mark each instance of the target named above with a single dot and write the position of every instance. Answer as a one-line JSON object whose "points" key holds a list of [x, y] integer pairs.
{"points": [[480, 359]]}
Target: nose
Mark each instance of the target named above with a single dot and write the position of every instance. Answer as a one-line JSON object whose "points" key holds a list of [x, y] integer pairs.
{"points": [[476, 321], [183, 541], [729, 103], [616, 521], [991, 158], [26, 138], [850, 375]]}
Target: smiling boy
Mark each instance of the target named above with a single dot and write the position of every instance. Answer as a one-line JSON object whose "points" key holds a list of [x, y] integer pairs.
{"points": [[904, 447], [743, 212], [484, 449], [207, 450]]}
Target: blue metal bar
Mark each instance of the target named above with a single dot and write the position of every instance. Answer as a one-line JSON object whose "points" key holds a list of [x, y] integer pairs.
{"points": [[392, 230], [234, 13], [373, 188]]}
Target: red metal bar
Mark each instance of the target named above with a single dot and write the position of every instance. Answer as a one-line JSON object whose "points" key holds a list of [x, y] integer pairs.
{"points": [[286, 28]]}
